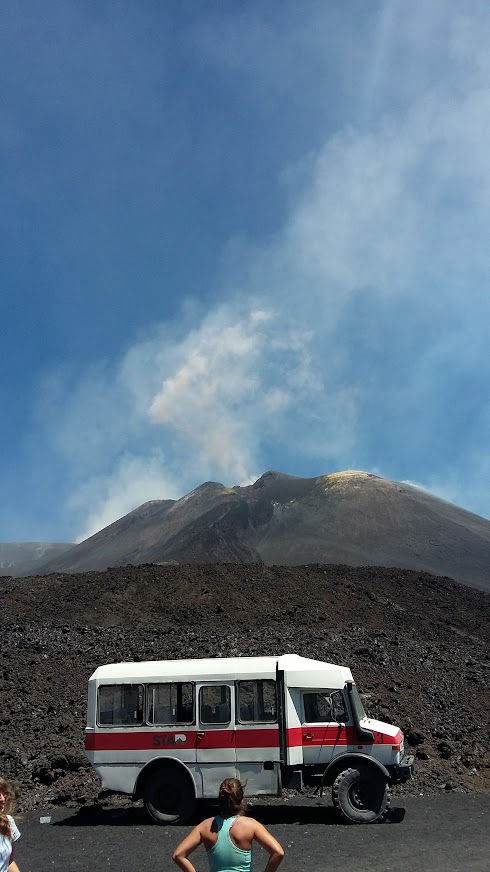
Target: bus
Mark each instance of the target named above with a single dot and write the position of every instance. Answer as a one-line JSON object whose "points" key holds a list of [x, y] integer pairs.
{"points": [[169, 732]]}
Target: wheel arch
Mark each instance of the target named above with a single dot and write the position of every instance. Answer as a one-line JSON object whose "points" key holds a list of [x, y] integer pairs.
{"points": [[346, 761], [161, 763]]}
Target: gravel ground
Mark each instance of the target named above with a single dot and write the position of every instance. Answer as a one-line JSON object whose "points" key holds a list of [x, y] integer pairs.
{"points": [[446, 833]]}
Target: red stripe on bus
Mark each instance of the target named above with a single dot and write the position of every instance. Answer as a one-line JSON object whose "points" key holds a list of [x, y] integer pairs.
{"points": [[337, 735], [257, 738], [305, 736], [145, 741]]}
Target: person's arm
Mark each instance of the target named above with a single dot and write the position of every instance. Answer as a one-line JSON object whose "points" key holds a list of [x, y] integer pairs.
{"points": [[12, 866], [271, 845], [186, 847]]}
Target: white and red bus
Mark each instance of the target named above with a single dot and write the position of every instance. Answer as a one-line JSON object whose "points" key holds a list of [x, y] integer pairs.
{"points": [[170, 732]]}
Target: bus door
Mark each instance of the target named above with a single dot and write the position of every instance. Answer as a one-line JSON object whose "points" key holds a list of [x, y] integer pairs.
{"points": [[257, 735], [322, 725], [170, 708], [216, 750]]}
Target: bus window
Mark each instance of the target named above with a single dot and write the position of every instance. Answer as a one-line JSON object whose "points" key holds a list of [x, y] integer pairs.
{"points": [[257, 701], [215, 707], [120, 705], [317, 708], [170, 703]]}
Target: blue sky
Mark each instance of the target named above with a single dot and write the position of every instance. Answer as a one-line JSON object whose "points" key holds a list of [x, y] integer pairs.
{"points": [[240, 236]]}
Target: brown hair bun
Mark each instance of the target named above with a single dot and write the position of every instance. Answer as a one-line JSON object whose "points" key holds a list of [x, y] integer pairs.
{"points": [[230, 798]]}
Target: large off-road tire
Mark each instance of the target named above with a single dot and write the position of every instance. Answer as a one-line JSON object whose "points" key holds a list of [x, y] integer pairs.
{"points": [[361, 795], [168, 796]]}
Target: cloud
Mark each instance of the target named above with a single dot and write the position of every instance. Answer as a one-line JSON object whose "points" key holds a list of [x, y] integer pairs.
{"points": [[228, 376], [348, 340], [134, 481], [173, 411], [217, 375]]}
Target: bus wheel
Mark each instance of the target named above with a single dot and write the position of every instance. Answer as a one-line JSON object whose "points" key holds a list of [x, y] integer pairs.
{"points": [[361, 795], [168, 796]]}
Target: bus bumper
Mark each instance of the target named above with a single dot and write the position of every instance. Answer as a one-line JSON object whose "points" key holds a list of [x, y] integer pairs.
{"points": [[405, 770]]}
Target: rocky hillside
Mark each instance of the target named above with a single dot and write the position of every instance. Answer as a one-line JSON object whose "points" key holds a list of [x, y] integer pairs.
{"points": [[417, 645]]}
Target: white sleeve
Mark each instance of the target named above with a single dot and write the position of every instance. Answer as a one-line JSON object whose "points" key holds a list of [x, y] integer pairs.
{"points": [[13, 828]]}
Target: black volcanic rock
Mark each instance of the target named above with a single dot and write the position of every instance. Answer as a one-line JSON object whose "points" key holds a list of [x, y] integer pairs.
{"points": [[417, 646], [352, 518]]}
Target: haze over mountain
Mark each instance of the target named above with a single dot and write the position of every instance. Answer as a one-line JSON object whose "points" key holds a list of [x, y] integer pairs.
{"points": [[24, 558], [351, 517]]}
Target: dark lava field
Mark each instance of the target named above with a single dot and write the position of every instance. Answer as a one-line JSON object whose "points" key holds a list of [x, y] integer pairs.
{"points": [[418, 646]]}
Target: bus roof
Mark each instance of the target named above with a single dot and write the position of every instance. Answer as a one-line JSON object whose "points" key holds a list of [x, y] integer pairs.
{"points": [[298, 671]]}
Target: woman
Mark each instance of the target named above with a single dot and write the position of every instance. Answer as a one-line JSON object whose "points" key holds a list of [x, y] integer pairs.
{"points": [[228, 837], [8, 831]]}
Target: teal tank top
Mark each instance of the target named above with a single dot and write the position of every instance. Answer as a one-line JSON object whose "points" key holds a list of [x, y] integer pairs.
{"points": [[224, 856]]}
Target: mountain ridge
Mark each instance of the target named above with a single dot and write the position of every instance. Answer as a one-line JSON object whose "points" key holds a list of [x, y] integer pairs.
{"points": [[351, 517]]}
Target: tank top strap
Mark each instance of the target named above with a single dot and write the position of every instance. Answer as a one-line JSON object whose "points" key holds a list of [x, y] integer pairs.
{"points": [[227, 824]]}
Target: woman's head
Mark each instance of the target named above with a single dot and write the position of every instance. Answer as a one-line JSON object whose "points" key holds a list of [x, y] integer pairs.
{"points": [[6, 800], [6, 796], [230, 798]]}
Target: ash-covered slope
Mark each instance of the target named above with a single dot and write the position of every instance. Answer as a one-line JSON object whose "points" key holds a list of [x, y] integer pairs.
{"points": [[417, 646], [362, 519], [349, 517], [118, 544]]}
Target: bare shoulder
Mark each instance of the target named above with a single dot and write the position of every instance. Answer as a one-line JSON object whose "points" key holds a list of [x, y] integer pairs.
{"points": [[207, 825], [258, 826], [246, 825]]}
